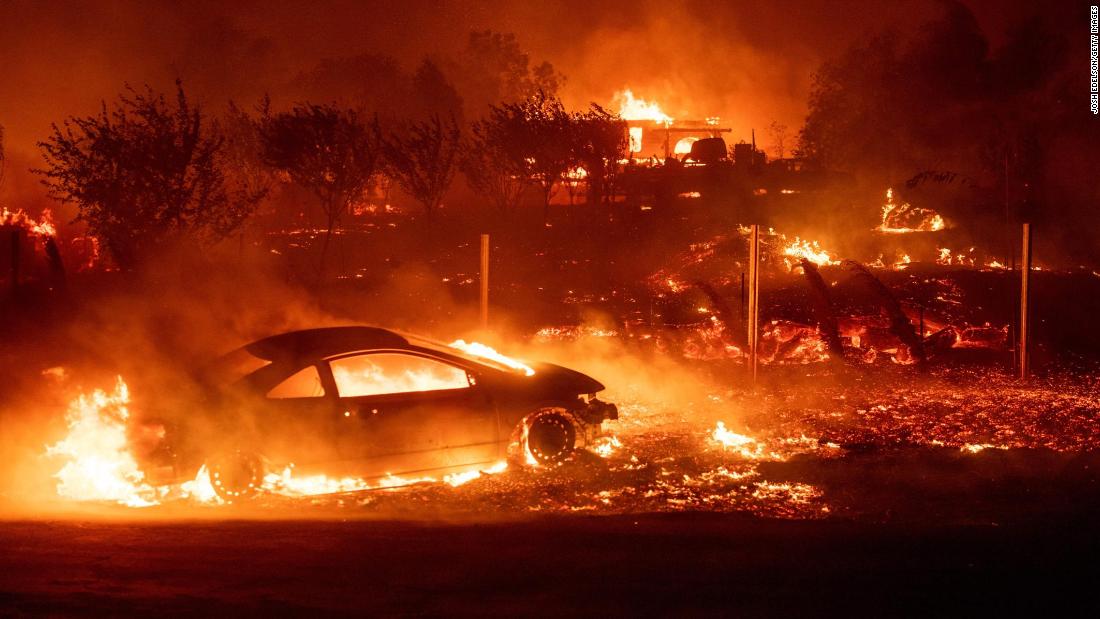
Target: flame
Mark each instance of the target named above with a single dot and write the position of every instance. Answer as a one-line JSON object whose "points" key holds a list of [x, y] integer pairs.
{"points": [[904, 218], [947, 258], [576, 174], [99, 464], [485, 352], [201, 488], [810, 250], [367, 379], [42, 227], [606, 446], [631, 108], [457, 479], [683, 146], [635, 135], [746, 446]]}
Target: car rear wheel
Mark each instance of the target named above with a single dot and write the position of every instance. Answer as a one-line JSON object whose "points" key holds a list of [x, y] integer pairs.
{"points": [[550, 437], [236, 476]]}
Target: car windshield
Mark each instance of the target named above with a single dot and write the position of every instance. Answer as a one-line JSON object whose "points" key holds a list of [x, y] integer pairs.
{"points": [[451, 350]]}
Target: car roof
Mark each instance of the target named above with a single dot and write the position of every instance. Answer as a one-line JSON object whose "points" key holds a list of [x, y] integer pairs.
{"points": [[324, 342]]}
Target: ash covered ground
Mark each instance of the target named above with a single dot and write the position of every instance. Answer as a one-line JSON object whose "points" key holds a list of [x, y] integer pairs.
{"points": [[858, 493]]}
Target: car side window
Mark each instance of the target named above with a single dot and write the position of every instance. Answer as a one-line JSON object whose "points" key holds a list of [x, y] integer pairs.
{"points": [[382, 373], [305, 383]]}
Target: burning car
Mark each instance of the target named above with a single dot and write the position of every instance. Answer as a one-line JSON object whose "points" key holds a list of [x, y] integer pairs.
{"points": [[374, 403]]}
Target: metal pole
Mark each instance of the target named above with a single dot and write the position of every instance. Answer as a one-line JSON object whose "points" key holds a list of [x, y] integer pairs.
{"points": [[484, 281], [754, 298], [1025, 280]]}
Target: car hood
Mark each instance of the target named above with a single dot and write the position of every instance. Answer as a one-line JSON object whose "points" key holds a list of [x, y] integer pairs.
{"points": [[561, 379]]}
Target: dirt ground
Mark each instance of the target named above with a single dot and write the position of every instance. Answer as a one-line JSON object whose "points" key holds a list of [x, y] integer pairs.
{"points": [[670, 564]]}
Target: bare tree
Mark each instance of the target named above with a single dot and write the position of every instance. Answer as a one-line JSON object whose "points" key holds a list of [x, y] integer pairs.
{"points": [[422, 157], [143, 170], [328, 150], [778, 133]]}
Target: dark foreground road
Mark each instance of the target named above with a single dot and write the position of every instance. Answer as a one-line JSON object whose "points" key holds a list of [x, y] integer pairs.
{"points": [[682, 564]]}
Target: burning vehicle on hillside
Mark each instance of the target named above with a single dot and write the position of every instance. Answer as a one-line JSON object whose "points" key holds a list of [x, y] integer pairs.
{"points": [[372, 403]]}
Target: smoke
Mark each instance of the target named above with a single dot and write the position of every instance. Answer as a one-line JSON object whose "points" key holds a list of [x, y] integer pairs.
{"points": [[748, 62]]}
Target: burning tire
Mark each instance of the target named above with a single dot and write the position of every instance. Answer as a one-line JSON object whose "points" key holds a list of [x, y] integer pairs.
{"points": [[236, 476], [548, 436]]}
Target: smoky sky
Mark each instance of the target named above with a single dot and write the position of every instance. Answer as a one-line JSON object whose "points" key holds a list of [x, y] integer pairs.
{"points": [[747, 62]]}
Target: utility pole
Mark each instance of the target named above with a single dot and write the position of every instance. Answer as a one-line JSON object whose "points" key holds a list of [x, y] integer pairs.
{"points": [[1025, 292], [484, 281], [754, 298]]}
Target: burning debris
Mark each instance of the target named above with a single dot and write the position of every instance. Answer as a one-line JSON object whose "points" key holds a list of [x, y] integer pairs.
{"points": [[905, 218], [42, 226]]}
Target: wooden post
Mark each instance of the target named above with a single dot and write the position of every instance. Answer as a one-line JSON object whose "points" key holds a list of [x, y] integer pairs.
{"points": [[741, 316], [484, 281], [754, 298], [1025, 292]]}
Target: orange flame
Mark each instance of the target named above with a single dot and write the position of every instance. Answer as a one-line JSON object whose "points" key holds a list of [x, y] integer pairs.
{"points": [[631, 108], [810, 250], [41, 227], [905, 218], [99, 464], [485, 352]]}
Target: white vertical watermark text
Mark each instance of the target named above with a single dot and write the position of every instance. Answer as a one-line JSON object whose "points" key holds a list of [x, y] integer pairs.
{"points": [[1094, 52]]}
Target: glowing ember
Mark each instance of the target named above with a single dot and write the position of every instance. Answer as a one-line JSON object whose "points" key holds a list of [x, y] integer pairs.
{"points": [[485, 352], [797, 493], [904, 218], [631, 108], [948, 258], [606, 446], [458, 479], [99, 465]]}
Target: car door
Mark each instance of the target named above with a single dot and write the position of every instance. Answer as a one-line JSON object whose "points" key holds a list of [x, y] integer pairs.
{"points": [[297, 423], [412, 413]]}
